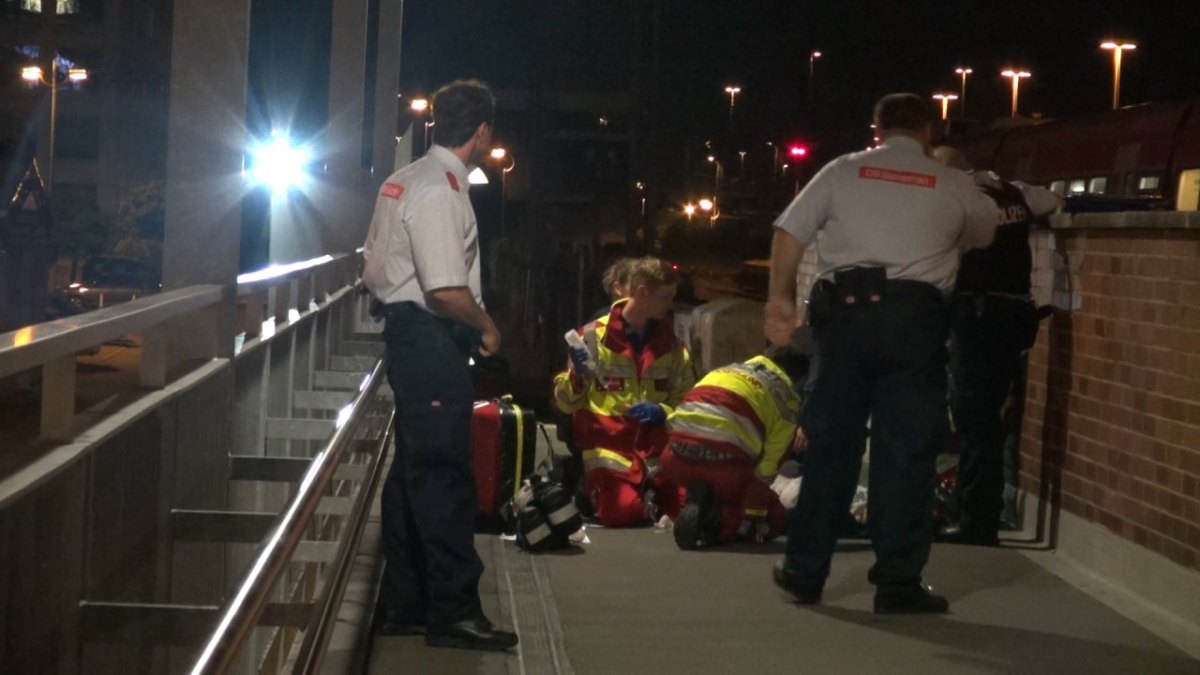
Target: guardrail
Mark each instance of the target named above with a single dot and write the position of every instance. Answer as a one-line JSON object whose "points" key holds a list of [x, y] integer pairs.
{"points": [[53, 346], [142, 509], [241, 614]]}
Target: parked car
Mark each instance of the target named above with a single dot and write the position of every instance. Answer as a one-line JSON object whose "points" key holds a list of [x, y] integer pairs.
{"points": [[104, 281]]}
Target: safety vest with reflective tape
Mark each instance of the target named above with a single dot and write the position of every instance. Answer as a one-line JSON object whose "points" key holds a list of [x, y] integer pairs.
{"points": [[661, 372], [745, 409]]}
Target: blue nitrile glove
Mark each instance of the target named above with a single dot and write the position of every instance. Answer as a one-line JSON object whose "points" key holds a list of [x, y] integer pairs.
{"points": [[579, 362], [647, 412]]}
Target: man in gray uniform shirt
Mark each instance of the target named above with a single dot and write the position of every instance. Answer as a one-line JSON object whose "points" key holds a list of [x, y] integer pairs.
{"points": [[893, 224], [422, 264]]}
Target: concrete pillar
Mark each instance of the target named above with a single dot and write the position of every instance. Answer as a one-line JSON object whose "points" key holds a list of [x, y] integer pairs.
{"points": [[387, 79], [343, 199], [345, 192], [206, 138]]}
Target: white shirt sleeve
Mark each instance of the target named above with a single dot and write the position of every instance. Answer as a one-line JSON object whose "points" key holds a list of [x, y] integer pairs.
{"points": [[809, 211], [1040, 200], [981, 216], [435, 222]]}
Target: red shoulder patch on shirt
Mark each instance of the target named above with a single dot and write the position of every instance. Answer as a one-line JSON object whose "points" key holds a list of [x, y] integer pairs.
{"points": [[453, 181], [903, 177], [392, 190]]}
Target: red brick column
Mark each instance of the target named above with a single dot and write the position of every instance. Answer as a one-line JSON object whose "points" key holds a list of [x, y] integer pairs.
{"points": [[1111, 427]]}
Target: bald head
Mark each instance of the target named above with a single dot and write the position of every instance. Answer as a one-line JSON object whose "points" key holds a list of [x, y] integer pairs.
{"points": [[952, 158]]}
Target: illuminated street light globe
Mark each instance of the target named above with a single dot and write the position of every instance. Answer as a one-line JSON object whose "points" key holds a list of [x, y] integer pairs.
{"points": [[278, 164]]}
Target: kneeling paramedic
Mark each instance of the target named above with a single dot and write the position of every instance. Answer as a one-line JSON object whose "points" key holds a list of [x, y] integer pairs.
{"points": [[620, 386], [727, 439]]}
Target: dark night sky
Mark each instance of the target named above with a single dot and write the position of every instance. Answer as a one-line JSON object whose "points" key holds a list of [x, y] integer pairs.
{"points": [[870, 48]]}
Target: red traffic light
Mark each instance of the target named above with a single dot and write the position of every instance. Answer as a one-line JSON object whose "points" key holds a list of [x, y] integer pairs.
{"points": [[798, 151]]}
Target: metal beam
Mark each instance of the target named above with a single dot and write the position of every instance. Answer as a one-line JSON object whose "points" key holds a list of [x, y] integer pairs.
{"points": [[321, 400], [239, 527], [283, 469], [170, 625], [328, 379], [290, 429]]}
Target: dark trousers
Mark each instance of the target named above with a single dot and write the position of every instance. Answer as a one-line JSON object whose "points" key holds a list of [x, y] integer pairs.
{"points": [[432, 574], [884, 362], [984, 360]]}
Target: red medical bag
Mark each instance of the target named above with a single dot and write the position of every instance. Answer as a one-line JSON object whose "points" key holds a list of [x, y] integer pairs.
{"points": [[504, 443]]}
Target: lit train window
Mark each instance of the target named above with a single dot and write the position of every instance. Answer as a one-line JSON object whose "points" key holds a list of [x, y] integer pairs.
{"points": [[1098, 185], [1078, 186], [1148, 183], [61, 6], [1059, 187]]}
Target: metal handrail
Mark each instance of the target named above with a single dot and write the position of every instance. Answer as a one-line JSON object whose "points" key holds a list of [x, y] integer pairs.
{"points": [[42, 343], [240, 614], [324, 616]]}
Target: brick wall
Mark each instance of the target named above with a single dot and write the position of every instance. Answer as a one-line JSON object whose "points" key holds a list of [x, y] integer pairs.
{"points": [[1112, 416]]}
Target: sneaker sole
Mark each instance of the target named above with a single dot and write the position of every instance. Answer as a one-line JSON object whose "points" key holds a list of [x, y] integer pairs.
{"points": [[686, 528]]}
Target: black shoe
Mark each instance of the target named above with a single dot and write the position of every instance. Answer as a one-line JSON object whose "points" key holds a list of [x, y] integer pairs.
{"points": [[957, 534], [918, 599], [471, 634], [699, 521], [805, 594]]}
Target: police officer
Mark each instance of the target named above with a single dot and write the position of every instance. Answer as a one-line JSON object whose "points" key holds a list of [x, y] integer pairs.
{"points": [[994, 322], [893, 223], [422, 264]]}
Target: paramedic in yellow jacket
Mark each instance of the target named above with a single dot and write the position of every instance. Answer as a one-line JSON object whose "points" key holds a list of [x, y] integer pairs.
{"points": [[619, 389], [727, 438]]}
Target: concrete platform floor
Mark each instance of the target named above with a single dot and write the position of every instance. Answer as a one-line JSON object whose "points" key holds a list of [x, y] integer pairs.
{"points": [[631, 602]]}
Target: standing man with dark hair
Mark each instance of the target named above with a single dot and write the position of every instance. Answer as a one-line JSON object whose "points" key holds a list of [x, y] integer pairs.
{"points": [[894, 222], [994, 321], [422, 264]]}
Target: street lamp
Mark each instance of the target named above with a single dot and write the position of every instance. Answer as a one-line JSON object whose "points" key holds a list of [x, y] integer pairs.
{"points": [[945, 99], [689, 210], [72, 78], [1117, 48], [420, 106], [1015, 76], [812, 60], [498, 154], [742, 162], [716, 174], [963, 72], [709, 206], [733, 90]]}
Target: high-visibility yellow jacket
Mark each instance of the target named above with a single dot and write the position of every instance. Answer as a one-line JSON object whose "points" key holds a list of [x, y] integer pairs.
{"points": [[746, 410], [661, 372]]}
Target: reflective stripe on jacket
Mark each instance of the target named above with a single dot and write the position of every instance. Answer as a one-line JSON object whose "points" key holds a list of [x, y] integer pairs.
{"points": [[661, 372], [747, 408]]}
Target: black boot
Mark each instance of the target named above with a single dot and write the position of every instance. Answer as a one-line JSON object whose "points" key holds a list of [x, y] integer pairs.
{"points": [[915, 599], [804, 594], [699, 521]]}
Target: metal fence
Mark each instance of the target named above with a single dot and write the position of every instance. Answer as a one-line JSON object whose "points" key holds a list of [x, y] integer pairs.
{"points": [[130, 518]]}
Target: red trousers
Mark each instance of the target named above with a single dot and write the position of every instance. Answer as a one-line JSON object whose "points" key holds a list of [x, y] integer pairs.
{"points": [[740, 494], [620, 497]]}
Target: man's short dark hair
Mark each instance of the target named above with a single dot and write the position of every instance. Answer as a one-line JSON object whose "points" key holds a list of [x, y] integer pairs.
{"points": [[792, 360], [458, 110], [903, 111]]}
